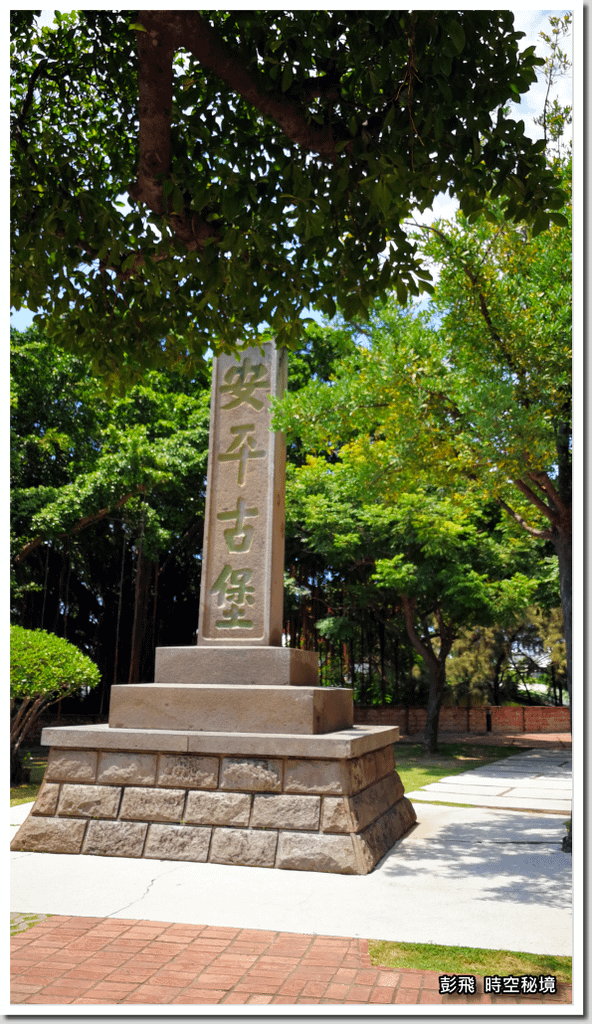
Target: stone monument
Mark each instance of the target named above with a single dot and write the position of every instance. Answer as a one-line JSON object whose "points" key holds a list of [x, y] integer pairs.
{"points": [[234, 754]]}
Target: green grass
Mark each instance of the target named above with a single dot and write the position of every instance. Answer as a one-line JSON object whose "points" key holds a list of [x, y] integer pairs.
{"points": [[28, 791], [417, 769], [22, 922], [465, 960]]}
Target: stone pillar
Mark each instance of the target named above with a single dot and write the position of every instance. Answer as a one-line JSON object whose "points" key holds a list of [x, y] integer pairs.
{"points": [[234, 754], [241, 601]]}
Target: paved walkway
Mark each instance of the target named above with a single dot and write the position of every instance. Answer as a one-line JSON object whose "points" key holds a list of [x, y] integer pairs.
{"points": [[77, 960], [537, 780]]}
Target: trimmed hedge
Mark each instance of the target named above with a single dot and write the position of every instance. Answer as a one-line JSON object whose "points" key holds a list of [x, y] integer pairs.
{"points": [[43, 664]]}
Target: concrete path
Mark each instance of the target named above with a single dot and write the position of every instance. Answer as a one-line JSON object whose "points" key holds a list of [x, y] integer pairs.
{"points": [[461, 876], [538, 780]]}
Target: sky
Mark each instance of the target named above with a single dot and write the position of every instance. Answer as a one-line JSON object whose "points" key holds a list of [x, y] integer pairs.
{"points": [[531, 22]]}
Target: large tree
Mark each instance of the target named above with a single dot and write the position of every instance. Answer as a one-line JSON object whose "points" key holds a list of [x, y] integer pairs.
{"points": [[446, 562], [474, 392], [107, 506], [186, 175]]}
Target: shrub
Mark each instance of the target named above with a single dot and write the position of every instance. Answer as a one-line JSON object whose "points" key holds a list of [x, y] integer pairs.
{"points": [[43, 669]]}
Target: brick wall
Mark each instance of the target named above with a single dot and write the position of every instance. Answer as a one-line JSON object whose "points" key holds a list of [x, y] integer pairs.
{"points": [[503, 720]]}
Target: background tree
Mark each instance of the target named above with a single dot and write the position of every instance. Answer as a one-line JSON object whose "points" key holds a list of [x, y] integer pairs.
{"points": [[107, 507], [268, 159], [445, 563], [474, 392], [108, 504], [497, 664]]}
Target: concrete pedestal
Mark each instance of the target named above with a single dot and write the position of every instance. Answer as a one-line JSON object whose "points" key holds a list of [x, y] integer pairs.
{"points": [[245, 666], [329, 802]]}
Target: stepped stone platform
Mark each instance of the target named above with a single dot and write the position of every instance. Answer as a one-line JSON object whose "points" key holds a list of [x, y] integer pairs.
{"points": [[331, 802]]}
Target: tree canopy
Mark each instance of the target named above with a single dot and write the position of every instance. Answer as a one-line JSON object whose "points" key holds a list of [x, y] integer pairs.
{"points": [[179, 177], [473, 392]]}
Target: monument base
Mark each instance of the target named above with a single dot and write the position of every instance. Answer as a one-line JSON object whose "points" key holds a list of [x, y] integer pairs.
{"points": [[312, 803]]}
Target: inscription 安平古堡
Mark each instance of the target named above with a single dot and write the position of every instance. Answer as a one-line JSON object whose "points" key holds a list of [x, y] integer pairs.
{"points": [[243, 547]]}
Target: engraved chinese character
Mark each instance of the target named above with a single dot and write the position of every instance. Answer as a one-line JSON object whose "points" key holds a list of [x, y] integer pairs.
{"points": [[238, 537], [232, 586], [233, 619], [242, 381], [242, 448]]}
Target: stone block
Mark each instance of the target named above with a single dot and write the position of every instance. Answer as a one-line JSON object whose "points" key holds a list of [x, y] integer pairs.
{"points": [[335, 816], [177, 842], [361, 772], [385, 761], [223, 666], [71, 766], [296, 710], [374, 842], [342, 744], [188, 770], [366, 806], [104, 737], [139, 804], [256, 775], [115, 838], [127, 768], [290, 812], [243, 846], [308, 776], [47, 799], [89, 801], [50, 835], [302, 851], [218, 808]]}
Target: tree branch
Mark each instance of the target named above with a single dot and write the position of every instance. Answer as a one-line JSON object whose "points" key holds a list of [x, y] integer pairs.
{"points": [[166, 32], [427, 655], [156, 50], [80, 525], [546, 485], [542, 534], [188, 29], [536, 501]]}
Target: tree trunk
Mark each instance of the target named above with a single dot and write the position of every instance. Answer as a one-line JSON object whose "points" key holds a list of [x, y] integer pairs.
{"points": [[436, 665], [435, 698], [562, 545], [139, 628]]}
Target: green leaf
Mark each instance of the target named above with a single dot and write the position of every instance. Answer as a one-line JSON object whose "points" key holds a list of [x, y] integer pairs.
{"points": [[178, 200], [457, 35]]}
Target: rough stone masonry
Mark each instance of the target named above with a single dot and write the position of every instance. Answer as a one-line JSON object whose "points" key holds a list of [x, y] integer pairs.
{"points": [[234, 754]]}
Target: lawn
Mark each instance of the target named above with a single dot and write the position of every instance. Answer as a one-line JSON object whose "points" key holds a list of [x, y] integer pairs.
{"points": [[464, 960], [417, 769], [36, 761]]}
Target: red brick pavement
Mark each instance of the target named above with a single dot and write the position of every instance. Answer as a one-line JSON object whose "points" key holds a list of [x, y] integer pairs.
{"points": [[90, 960]]}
